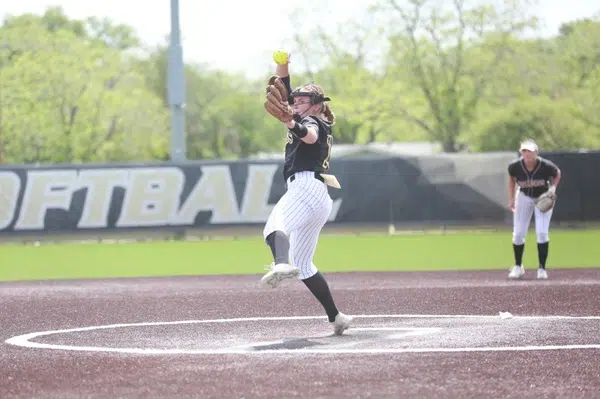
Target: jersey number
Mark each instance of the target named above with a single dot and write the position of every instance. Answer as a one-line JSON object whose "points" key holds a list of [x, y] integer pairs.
{"points": [[329, 143]]}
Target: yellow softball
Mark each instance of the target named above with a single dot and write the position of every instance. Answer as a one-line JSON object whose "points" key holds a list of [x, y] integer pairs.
{"points": [[280, 57]]}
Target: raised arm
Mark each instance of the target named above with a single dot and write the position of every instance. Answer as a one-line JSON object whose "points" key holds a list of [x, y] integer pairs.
{"points": [[307, 134], [283, 70]]}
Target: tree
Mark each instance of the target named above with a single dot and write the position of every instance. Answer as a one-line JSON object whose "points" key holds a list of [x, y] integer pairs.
{"points": [[224, 113], [54, 19], [347, 62], [69, 100], [433, 46], [579, 42], [548, 121], [579, 47]]}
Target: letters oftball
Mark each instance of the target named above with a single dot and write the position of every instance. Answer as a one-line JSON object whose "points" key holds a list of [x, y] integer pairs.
{"points": [[152, 196]]}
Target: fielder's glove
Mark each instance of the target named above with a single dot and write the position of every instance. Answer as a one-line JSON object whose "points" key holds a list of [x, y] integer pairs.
{"points": [[546, 201], [276, 102]]}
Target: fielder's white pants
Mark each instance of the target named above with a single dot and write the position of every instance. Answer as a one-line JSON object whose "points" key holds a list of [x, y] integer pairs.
{"points": [[301, 213], [524, 209]]}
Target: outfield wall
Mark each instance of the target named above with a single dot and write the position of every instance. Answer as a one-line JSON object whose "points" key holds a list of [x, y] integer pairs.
{"points": [[446, 188]]}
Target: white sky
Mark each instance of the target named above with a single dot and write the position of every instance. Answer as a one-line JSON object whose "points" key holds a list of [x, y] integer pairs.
{"points": [[208, 25]]}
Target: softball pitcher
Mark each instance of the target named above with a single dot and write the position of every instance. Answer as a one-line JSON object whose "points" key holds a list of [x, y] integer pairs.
{"points": [[530, 177], [292, 230]]}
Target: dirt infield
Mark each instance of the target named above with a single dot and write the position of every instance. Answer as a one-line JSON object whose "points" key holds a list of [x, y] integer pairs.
{"points": [[436, 334]]}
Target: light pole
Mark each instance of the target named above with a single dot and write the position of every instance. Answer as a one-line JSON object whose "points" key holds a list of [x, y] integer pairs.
{"points": [[176, 88]]}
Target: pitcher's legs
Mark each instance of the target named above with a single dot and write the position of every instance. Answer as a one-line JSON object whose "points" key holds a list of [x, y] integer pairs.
{"points": [[291, 212], [287, 216]]}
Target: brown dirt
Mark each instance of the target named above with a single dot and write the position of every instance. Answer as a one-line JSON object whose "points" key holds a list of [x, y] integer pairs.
{"points": [[50, 373]]}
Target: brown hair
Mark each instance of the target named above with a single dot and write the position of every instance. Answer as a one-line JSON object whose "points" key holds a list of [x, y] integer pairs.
{"points": [[326, 112]]}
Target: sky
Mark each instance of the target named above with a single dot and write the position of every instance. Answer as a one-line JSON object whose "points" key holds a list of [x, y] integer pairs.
{"points": [[208, 25]]}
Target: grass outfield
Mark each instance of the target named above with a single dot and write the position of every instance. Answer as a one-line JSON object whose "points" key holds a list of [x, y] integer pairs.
{"points": [[568, 249]]}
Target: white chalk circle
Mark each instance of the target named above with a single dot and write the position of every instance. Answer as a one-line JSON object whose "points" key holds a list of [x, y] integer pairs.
{"points": [[25, 340]]}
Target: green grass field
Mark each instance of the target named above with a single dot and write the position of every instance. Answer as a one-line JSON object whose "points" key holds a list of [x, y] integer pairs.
{"points": [[568, 249]]}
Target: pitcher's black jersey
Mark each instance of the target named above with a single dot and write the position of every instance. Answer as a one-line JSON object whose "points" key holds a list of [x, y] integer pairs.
{"points": [[535, 182], [300, 156]]}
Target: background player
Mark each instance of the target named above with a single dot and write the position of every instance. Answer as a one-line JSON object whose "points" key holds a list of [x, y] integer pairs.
{"points": [[293, 227], [534, 176]]}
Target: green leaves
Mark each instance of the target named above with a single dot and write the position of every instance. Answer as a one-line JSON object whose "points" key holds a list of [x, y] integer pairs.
{"points": [[450, 53], [549, 122], [453, 69], [457, 73], [546, 89], [70, 100]]}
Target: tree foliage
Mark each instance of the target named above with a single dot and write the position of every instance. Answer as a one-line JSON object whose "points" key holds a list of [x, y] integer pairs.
{"points": [[460, 73], [66, 100]]}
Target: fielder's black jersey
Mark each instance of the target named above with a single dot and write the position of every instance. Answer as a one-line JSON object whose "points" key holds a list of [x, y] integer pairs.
{"points": [[535, 182], [300, 156]]}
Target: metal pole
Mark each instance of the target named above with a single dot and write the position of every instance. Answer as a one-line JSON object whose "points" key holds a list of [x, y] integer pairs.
{"points": [[176, 88]]}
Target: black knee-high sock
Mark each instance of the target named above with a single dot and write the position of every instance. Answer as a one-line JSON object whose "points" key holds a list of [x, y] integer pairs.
{"points": [[280, 246], [518, 250], [320, 289], [543, 254]]}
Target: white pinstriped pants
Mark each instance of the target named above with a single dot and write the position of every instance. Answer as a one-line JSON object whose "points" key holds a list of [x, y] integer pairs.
{"points": [[524, 209], [301, 213]]}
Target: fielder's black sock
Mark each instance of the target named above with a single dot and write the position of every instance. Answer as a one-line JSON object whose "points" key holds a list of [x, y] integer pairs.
{"points": [[543, 254], [518, 250], [280, 246], [320, 289]]}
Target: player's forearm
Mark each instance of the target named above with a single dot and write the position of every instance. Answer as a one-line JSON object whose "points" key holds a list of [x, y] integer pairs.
{"points": [[311, 137], [282, 70], [556, 180], [511, 189], [307, 134]]}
